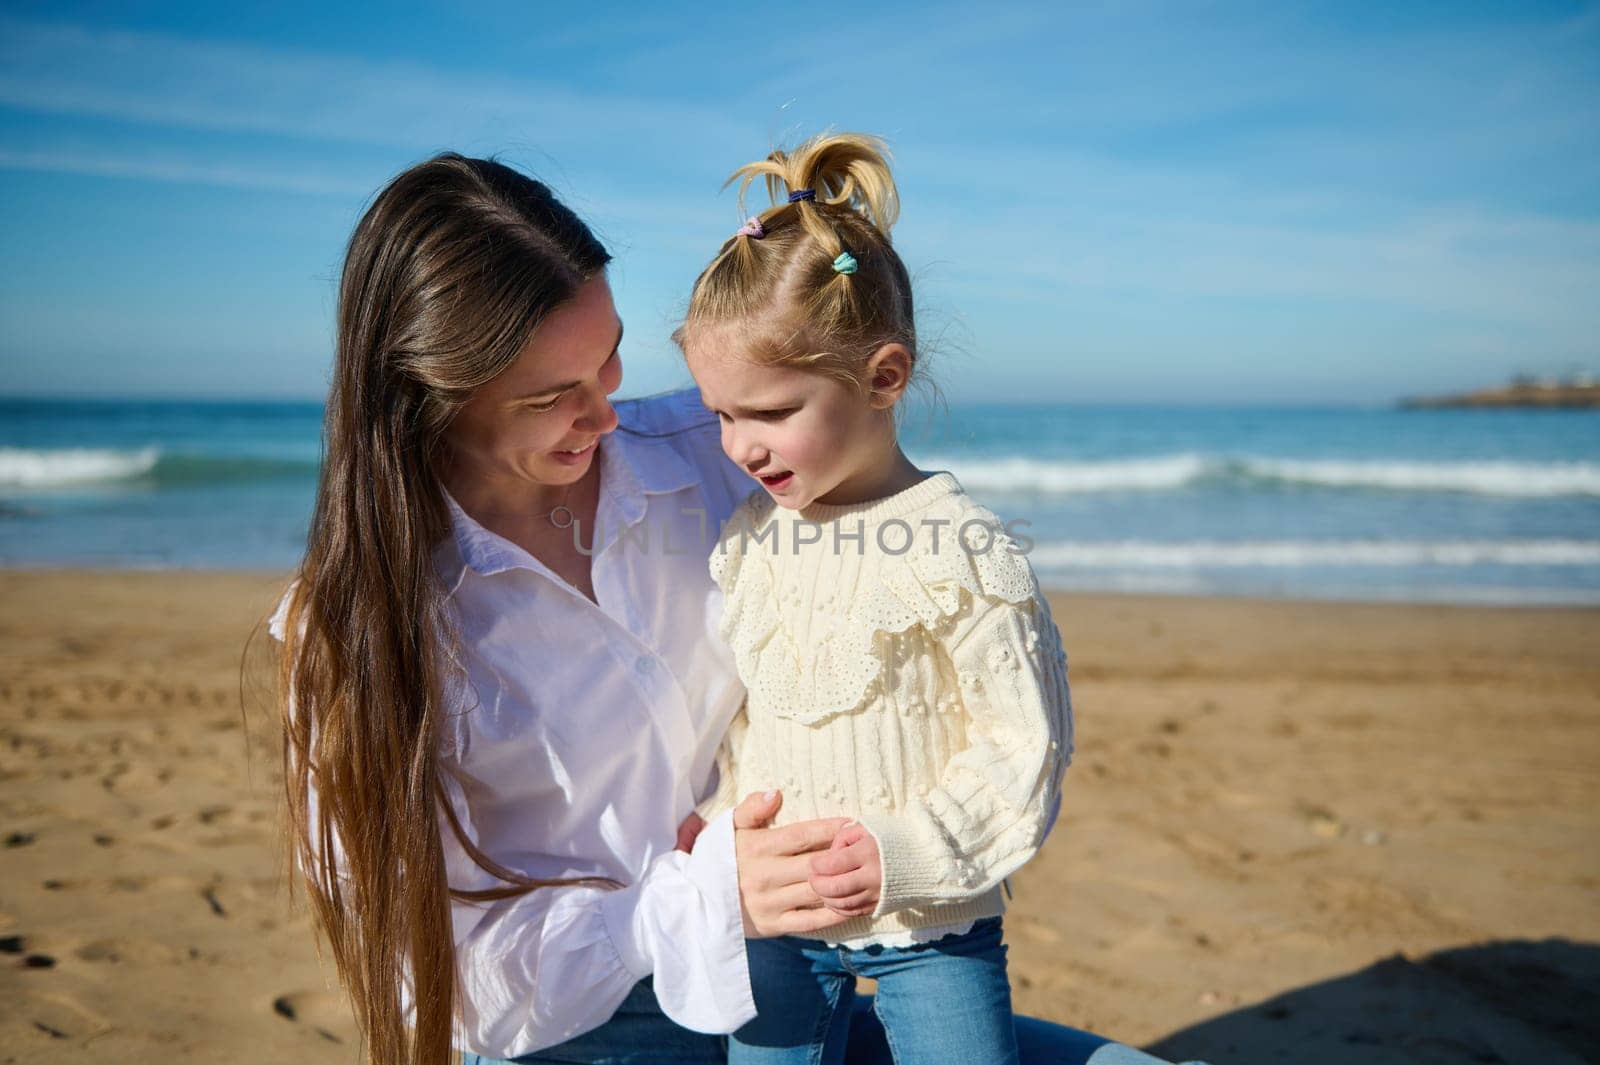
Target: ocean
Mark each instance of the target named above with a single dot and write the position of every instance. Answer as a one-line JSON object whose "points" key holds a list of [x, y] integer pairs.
{"points": [[1498, 506]]}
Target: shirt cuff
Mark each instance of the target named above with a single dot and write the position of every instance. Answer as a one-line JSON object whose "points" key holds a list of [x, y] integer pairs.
{"points": [[685, 926]]}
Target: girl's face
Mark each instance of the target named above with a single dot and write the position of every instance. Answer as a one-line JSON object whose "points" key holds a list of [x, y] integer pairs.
{"points": [[808, 438], [538, 424]]}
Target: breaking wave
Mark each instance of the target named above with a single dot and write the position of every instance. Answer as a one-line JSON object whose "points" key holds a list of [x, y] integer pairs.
{"points": [[1029, 476]]}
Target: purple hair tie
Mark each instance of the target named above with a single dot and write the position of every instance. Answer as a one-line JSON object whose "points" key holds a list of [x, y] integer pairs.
{"points": [[752, 228], [802, 194]]}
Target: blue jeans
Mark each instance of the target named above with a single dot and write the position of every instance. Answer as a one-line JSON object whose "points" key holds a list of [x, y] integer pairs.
{"points": [[640, 1034], [946, 1000]]}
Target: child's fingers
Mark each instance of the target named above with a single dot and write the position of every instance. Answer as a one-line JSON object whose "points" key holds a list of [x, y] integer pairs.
{"points": [[843, 886], [850, 834], [858, 905], [834, 862]]}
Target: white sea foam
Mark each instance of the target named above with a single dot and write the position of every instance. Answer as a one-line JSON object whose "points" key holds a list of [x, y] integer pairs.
{"points": [[1146, 554], [1029, 476], [1483, 478], [1059, 477], [41, 468]]}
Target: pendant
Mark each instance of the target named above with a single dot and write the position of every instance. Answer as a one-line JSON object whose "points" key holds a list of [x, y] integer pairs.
{"points": [[561, 517]]}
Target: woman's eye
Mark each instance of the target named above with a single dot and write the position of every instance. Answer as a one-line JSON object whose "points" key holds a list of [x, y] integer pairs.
{"points": [[543, 407]]}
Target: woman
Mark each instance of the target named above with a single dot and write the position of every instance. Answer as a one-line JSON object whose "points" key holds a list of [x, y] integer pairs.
{"points": [[503, 695]]}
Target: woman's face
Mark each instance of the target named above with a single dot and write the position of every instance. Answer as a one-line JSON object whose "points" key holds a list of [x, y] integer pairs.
{"points": [[539, 422]]}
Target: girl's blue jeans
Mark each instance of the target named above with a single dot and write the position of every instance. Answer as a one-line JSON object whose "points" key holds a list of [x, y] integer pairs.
{"points": [[640, 1034], [945, 1000]]}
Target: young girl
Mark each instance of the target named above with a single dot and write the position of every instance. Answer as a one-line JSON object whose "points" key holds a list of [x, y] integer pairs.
{"points": [[901, 663]]}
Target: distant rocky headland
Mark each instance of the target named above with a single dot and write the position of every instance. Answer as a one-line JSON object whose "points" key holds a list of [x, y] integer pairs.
{"points": [[1519, 393]]}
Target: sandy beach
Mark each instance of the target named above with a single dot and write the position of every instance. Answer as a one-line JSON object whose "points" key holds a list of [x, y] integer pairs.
{"points": [[1292, 832]]}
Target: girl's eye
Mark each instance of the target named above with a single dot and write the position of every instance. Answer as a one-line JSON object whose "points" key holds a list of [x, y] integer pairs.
{"points": [[775, 415]]}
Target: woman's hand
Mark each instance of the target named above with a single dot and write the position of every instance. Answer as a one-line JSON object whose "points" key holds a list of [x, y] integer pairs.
{"points": [[775, 894], [848, 876], [689, 831]]}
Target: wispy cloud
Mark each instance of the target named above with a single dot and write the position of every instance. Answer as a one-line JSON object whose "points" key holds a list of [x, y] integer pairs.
{"points": [[1197, 179], [205, 85], [184, 172]]}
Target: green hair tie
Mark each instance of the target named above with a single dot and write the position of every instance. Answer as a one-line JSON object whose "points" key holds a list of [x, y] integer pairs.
{"points": [[845, 263]]}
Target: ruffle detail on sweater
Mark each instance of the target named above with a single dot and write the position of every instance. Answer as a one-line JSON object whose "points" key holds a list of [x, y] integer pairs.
{"points": [[852, 639]]}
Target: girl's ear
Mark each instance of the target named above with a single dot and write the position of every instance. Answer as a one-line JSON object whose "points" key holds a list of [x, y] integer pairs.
{"points": [[888, 374]]}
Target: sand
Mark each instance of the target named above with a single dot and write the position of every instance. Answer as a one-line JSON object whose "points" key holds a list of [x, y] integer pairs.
{"points": [[1292, 832]]}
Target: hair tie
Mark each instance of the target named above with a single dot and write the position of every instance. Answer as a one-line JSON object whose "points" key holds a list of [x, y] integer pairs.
{"points": [[752, 228], [845, 263], [802, 194]]}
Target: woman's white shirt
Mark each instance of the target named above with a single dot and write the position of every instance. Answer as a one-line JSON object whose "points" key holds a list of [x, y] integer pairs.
{"points": [[584, 732]]}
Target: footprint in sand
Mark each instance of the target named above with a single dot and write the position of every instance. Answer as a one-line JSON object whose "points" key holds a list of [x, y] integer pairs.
{"points": [[61, 1016], [129, 884], [128, 949], [210, 815], [321, 1012]]}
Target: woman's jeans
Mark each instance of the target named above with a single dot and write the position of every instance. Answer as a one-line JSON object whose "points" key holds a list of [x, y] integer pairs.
{"points": [[944, 1000]]}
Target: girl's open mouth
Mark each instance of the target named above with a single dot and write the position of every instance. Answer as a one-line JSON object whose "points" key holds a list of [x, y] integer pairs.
{"points": [[778, 480]]}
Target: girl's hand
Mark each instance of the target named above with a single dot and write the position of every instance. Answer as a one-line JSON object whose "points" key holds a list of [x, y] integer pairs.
{"points": [[775, 895], [689, 831], [848, 876]]}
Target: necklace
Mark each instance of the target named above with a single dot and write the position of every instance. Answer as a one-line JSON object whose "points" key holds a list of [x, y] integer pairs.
{"points": [[561, 517]]}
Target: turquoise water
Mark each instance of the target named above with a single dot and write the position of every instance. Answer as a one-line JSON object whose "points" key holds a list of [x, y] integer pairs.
{"points": [[1497, 506]]}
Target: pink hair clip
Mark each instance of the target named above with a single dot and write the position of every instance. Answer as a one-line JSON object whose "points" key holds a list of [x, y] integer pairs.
{"points": [[752, 228]]}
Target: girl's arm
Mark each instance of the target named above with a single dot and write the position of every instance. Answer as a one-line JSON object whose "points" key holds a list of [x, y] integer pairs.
{"points": [[997, 799]]}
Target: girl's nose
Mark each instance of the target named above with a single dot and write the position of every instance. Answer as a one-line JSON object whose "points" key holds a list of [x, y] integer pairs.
{"points": [[744, 449]]}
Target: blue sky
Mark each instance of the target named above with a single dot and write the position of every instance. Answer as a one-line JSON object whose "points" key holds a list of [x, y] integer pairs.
{"points": [[1208, 202]]}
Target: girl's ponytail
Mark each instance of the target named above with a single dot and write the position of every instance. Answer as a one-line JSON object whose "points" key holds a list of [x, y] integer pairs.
{"points": [[814, 276]]}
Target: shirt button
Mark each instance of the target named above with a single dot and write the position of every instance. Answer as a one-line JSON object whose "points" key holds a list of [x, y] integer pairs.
{"points": [[642, 666]]}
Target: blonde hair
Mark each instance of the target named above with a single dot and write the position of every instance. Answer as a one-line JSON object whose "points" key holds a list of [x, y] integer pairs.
{"points": [[782, 290]]}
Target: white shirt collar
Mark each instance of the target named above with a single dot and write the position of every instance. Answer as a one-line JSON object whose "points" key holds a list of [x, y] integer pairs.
{"points": [[632, 467]]}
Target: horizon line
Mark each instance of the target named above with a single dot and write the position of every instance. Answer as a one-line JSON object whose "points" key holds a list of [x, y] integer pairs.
{"points": [[917, 404]]}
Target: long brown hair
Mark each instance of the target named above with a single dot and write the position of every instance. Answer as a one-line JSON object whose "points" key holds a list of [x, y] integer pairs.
{"points": [[447, 275]]}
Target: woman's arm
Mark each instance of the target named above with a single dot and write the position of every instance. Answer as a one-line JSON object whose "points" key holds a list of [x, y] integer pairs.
{"points": [[543, 967], [539, 968]]}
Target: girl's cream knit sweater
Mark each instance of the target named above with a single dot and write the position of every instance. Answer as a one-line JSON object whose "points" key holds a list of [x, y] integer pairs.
{"points": [[902, 669]]}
